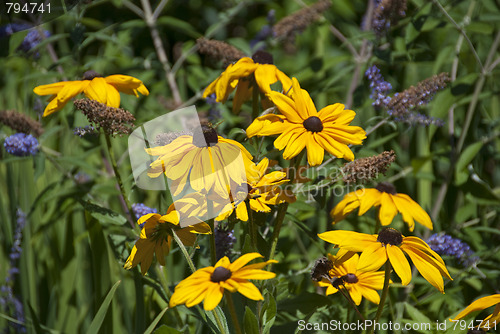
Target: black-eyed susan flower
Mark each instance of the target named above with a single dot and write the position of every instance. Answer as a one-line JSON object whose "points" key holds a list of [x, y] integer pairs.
{"points": [[391, 245], [240, 76], [204, 161], [390, 202], [358, 283], [483, 303], [301, 126], [156, 238], [261, 190], [94, 86], [208, 284]]}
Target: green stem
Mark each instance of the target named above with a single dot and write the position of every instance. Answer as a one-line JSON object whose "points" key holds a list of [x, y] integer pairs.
{"points": [[184, 251], [283, 207], [253, 229], [385, 292], [130, 213], [213, 256], [255, 100], [232, 311]]}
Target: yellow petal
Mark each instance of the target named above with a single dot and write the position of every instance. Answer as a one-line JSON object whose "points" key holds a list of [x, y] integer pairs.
{"points": [[411, 210], [478, 305], [370, 197], [65, 94], [213, 297], [52, 89], [387, 209], [97, 90], [287, 107], [249, 290], [399, 263], [241, 212], [315, 153], [426, 266], [373, 257], [242, 260], [265, 76]]}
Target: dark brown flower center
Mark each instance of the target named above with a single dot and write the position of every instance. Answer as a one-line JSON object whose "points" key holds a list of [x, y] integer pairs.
{"points": [[206, 136], [89, 75], [220, 274], [313, 124], [262, 57], [386, 187], [390, 236], [350, 278]]}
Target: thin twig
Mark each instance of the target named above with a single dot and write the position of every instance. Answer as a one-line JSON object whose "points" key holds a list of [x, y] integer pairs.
{"points": [[134, 8], [344, 40], [461, 30], [159, 8], [160, 51]]}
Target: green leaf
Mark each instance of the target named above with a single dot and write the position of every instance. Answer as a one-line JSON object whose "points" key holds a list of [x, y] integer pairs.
{"points": [[269, 313], [416, 315], [164, 329], [179, 25], [250, 323], [467, 155], [101, 313], [155, 321]]}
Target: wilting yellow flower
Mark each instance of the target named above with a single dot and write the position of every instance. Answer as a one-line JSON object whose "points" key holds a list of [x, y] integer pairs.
{"points": [[208, 284], [358, 283], [391, 245], [390, 202], [261, 190], [300, 125], [94, 86], [482, 303], [240, 76], [156, 238], [205, 161]]}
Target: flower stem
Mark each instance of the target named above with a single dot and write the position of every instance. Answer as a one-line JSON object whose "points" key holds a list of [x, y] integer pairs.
{"points": [[253, 229], [255, 100], [284, 206], [213, 256], [385, 292], [184, 252], [232, 311], [130, 213]]}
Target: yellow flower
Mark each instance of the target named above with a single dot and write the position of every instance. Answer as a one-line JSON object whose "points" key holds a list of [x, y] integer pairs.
{"points": [[390, 203], [261, 190], [481, 304], [300, 125], [391, 245], [358, 283], [156, 238], [208, 284], [205, 161], [94, 86], [239, 76]]}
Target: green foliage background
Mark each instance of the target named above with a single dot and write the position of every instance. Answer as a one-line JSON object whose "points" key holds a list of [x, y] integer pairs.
{"points": [[77, 237]]}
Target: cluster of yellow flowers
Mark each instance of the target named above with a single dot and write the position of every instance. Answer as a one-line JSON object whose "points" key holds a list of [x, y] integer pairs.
{"points": [[199, 162]]}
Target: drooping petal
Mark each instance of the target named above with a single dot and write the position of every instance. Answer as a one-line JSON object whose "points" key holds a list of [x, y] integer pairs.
{"points": [[315, 153], [213, 297], [480, 304], [411, 210], [65, 94], [373, 257], [97, 90], [399, 263], [387, 209]]}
